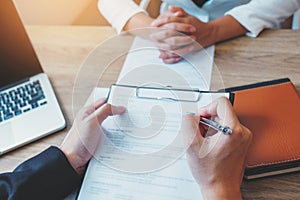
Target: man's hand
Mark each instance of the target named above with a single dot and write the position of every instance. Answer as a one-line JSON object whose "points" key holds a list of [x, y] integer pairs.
{"points": [[85, 135], [217, 161]]}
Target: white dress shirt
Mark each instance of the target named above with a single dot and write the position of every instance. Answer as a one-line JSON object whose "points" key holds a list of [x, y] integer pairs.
{"points": [[254, 15]]}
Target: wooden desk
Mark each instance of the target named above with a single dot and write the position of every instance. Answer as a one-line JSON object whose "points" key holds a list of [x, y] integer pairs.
{"points": [[275, 54]]}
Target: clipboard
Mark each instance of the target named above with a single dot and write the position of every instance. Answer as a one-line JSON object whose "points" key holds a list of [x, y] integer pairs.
{"points": [[166, 93], [149, 106]]}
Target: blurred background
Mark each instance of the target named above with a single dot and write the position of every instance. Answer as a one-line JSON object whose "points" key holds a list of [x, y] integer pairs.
{"points": [[83, 12], [67, 12]]}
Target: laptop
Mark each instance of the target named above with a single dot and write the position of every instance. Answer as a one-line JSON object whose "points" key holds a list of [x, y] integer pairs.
{"points": [[28, 107]]}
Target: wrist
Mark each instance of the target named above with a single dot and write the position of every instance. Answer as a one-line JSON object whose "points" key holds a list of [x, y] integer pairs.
{"points": [[214, 33], [222, 192], [226, 27], [73, 160], [209, 36]]}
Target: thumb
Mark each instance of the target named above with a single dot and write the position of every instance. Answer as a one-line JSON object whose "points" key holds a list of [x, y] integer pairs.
{"points": [[108, 110]]}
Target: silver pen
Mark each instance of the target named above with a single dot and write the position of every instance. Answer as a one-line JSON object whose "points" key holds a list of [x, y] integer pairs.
{"points": [[215, 125]]}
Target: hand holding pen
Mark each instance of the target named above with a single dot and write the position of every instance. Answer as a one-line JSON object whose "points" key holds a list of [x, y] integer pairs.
{"points": [[217, 161], [215, 125]]}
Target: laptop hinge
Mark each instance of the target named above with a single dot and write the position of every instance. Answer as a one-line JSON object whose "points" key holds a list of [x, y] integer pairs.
{"points": [[13, 84]]}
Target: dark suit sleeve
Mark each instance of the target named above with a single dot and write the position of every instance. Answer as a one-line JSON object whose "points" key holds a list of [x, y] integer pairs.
{"points": [[48, 175]]}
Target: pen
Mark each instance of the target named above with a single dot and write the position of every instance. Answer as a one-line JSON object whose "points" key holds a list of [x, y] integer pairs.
{"points": [[215, 125]]}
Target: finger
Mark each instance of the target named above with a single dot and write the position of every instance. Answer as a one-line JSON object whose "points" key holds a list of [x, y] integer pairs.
{"points": [[168, 50], [91, 108], [226, 113], [172, 60], [169, 57], [108, 110], [180, 26], [223, 109], [165, 18], [99, 103], [177, 10], [203, 127], [163, 34], [184, 50], [173, 23], [166, 47], [217, 108], [167, 54], [179, 41]]}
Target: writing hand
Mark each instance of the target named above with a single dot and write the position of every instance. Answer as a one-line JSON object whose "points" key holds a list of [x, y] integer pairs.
{"points": [[217, 161]]}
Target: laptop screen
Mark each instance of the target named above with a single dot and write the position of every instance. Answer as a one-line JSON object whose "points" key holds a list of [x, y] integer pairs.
{"points": [[18, 60]]}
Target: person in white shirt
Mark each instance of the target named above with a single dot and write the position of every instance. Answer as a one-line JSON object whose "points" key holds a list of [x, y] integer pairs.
{"points": [[225, 18]]}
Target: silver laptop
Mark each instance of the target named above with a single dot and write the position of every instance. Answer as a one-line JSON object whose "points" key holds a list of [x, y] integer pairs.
{"points": [[28, 107]]}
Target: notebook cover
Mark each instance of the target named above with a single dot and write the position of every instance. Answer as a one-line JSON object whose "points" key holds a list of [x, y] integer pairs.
{"points": [[271, 111]]}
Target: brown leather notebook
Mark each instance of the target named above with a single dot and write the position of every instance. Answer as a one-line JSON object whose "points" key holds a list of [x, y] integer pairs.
{"points": [[271, 110]]}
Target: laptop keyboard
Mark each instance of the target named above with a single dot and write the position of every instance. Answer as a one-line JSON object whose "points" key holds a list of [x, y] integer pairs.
{"points": [[22, 99]]}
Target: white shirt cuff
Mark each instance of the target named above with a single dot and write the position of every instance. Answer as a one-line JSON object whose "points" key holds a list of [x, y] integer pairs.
{"points": [[118, 16], [253, 26]]}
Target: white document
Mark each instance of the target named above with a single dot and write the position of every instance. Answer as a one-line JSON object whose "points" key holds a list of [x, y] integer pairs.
{"points": [[143, 67], [131, 166]]}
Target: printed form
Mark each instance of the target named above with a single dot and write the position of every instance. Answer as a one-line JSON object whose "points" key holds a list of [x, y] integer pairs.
{"points": [[119, 169]]}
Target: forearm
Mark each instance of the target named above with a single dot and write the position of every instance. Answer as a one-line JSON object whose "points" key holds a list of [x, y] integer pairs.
{"points": [[139, 20], [225, 28], [120, 12]]}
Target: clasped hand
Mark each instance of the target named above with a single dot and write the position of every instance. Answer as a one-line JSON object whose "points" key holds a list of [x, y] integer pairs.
{"points": [[180, 34]]}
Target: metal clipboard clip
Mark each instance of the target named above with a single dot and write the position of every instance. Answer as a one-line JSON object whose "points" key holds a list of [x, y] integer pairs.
{"points": [[166, 93]]}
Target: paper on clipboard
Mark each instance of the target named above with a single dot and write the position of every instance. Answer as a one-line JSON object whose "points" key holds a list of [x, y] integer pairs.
{"points": [[173, 181]]}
